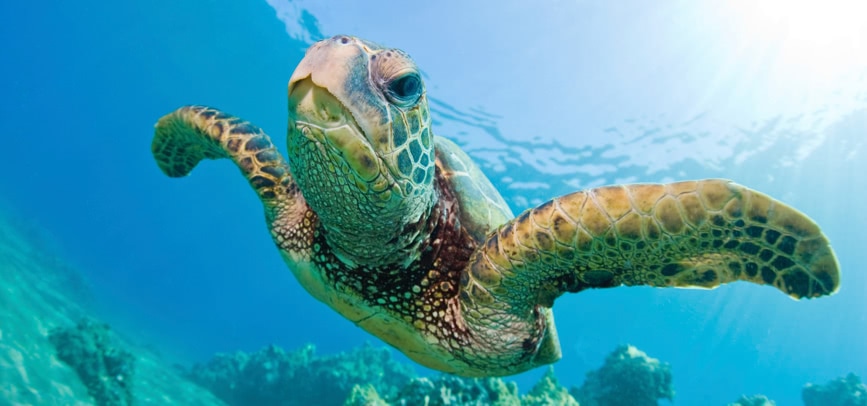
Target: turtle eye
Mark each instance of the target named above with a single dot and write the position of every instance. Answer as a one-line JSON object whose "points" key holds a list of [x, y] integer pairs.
{"points": [[405, 90]]}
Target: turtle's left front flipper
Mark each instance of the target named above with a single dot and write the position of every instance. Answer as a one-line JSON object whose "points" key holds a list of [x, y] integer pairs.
{"points": [[688, 234]]}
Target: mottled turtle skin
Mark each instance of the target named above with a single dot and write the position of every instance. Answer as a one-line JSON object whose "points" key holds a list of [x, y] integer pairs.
{"points": [[401, 233]]}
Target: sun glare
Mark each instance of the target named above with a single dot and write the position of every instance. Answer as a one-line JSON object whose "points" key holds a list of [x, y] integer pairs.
{"points": [[824, 37]]}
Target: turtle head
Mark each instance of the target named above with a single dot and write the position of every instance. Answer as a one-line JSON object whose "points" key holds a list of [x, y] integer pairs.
{"points": [[360, 145]]}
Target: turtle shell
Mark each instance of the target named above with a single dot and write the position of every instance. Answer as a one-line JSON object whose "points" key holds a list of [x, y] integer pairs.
{"points": [[483, 209]]}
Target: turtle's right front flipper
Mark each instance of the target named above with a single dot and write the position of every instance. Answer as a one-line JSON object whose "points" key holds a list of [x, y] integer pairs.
{"points": [[192, 133], [687, 234]]}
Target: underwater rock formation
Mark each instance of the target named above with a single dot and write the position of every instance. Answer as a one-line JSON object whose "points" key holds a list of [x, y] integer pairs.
{"points": [[548, 392], [367, 376], [273, 376], [628, 378], [845, 391], [49, 357], [106, 370], [450, 390], [755, 400], [364, 395]]}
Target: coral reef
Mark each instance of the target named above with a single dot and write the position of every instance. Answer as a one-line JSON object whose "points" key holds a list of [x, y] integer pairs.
{"points": [[43, 302], [450, 390], [846, 391], [105, 369], [366, 376], [628, 378], [272, 376], [548, 392], [755, 400], [364, 395]]}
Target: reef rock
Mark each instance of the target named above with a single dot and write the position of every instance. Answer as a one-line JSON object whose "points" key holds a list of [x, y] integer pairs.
{"points": [[273, 376], [104, 368], [846, 391], [450, 390], [548, 392], [755, 400], [48, 356], [364, 395], [628, 378]]}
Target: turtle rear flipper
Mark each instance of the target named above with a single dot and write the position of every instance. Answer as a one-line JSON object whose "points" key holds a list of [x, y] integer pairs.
{"points": [[687, 234], [192, 133]]}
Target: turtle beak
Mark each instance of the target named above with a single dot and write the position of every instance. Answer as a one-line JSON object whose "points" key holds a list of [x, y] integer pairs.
{"points": [[294, 100], [315, 105], [295, 96], [293, 84]]}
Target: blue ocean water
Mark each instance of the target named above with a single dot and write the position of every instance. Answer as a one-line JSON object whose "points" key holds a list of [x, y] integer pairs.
{"points": [[548, 98]]}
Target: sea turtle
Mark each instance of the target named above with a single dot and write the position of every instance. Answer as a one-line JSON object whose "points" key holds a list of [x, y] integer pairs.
{"points": [[400, 232]]}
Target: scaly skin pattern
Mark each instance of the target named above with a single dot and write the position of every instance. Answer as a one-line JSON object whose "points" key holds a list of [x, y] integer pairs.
{"points": [[361, 149], [687, 234], [190, 134], [402, 234], [393, 302]]}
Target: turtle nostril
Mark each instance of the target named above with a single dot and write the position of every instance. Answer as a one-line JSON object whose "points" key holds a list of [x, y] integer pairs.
{"points": [[344, 40]]}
